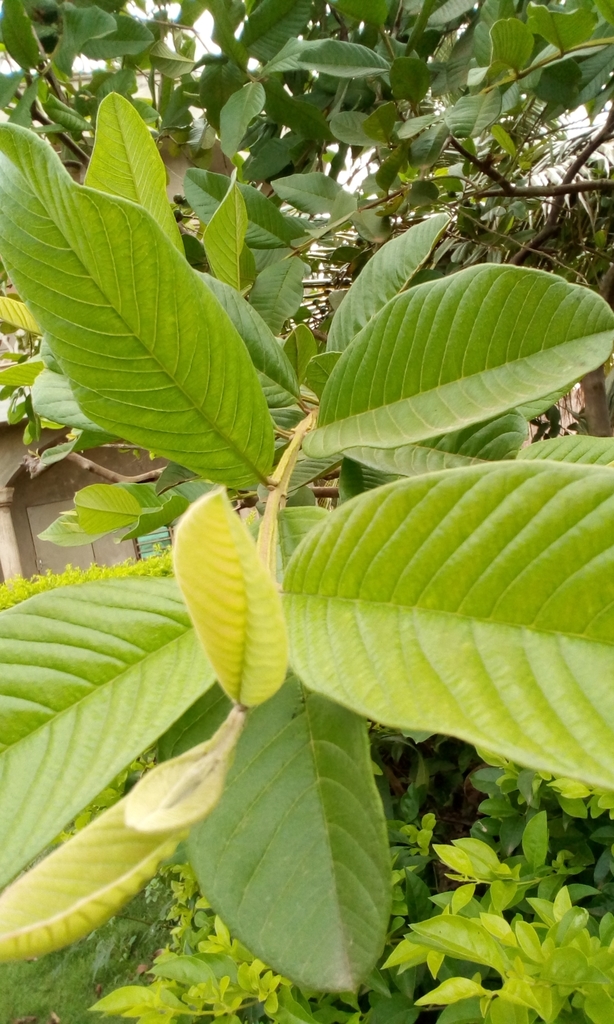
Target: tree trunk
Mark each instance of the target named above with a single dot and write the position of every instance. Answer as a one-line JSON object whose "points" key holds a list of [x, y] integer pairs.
{"points": [[596, 409]]}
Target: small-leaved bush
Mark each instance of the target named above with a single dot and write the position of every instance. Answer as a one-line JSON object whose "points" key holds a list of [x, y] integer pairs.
{"points": [[19, 589]]}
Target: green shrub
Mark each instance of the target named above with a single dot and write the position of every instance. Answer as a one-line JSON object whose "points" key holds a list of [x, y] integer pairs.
{"points": [[20, 589]]}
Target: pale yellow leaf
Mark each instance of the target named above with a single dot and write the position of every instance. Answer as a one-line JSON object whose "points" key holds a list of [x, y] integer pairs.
{"points": [[184, 790], [17, 315], [232, 600], [79, 886]]}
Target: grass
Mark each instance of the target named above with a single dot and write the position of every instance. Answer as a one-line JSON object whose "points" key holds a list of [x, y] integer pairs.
{"points": [[67, 983]]}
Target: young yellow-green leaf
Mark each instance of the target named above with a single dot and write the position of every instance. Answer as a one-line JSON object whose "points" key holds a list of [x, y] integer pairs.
{"points": [[173, 376], [184, 790], [463, 938], [126, 163], [457, 351], [224, 238], [21, 374], [385, 275], [234, 604], [477, 602], [103, 507], [452, 990], [407, 952], [18, 315], [79, 886]]}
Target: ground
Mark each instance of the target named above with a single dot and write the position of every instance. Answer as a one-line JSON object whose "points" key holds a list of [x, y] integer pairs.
{"points": [[59, 988]]}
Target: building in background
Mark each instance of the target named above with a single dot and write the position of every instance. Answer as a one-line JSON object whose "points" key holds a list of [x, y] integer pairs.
{"points": [[28, 505]]}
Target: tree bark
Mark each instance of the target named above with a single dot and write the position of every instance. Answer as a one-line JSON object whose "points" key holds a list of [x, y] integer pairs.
{"points": [[596, 409]]}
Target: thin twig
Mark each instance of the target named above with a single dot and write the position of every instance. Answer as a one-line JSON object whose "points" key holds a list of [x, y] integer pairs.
{"points": [[110, 474], [564, 189], [37, 115], [485, 166], [324, 492], [551, 226]]}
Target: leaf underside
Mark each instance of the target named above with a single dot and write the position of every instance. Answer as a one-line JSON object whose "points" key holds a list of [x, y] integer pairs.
{"points": [[458, 351], [76, 666], [294, 858], [104, 282], [79, 886], [476, 602]]}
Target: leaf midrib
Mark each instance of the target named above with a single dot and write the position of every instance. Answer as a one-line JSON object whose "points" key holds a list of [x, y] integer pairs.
{"points": [[97, 689], [83, 190], [462, 379], [397, 606]]}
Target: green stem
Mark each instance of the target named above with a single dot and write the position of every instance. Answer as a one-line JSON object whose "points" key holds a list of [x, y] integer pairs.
{"points": [[591, 43], [421, 21], [387, 43]]}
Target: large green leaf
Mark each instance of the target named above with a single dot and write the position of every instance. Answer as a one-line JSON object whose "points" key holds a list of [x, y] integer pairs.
{"points": [[278, 291], [295, 857], [126, 163], [130, 36], [18, 35], [53, 398], [103, 280], [471, 115], [79, 886], [563, 30], [267, 354], [237, 113], [90, 676], [103, 507], [457, 351], [296, 113], [385, 275], [79, 26], [342, 60], [312, 193], [573, 448], [224, 240], [477, 602], [271, 23], [267, 227], [485, 442], [170, 63], [196, 724]]}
